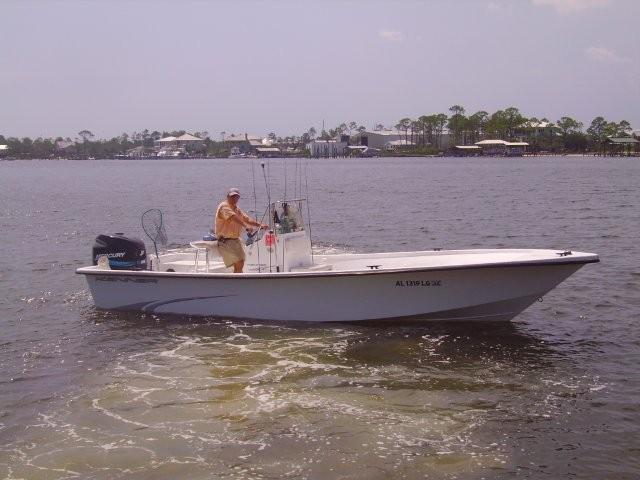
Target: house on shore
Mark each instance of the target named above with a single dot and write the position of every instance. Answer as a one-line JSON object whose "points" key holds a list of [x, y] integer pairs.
{"points": [[243, 143], [187, 141], [4, 150], [537, 130], [180, 146]]}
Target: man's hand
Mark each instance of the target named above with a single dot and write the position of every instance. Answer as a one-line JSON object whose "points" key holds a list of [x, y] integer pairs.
{"points": [[264, 226]]}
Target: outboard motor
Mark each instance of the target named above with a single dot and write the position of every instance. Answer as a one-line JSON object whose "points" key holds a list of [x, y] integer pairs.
{"points": [[124, 253]]}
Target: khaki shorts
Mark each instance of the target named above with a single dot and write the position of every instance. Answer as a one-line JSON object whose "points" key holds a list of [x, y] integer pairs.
{"points": [[231, 251]]}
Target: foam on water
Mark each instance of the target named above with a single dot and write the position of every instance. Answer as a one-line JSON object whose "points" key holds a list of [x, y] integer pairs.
{"points": [[258, 390]]}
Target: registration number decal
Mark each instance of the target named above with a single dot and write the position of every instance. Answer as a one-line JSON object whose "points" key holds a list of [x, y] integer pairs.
{"points": [[419, 283]]}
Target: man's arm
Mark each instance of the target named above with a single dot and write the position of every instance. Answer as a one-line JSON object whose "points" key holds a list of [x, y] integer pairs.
{"points": [[246, 221], [249, 221]]}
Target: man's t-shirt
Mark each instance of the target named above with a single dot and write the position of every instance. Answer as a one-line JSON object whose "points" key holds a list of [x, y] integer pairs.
{"points": [[225, 227]]}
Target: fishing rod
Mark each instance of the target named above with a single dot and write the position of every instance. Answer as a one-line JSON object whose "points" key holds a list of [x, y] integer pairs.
{"points": [[306, 175], [268, 189], [255, 209], [284, 161]]}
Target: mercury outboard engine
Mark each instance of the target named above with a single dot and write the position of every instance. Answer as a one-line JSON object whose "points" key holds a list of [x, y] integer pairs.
{"points": [[124, 253]]}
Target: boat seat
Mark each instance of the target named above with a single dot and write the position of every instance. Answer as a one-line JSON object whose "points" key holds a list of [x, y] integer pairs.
{"points": [[210, 248]]}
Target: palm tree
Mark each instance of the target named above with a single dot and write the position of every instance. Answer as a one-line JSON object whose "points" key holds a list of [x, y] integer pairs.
{"points": [[416, 126], [457, 122], [312, 133], [440, 120], [86, 135], [405, 124], [426, 127], [476, 125], [513, 119]]}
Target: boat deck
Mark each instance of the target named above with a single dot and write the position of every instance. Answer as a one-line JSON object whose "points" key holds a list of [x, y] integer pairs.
{"points": [[192, 262]]}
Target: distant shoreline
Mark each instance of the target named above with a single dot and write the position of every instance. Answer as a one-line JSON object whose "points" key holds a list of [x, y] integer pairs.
{"points": [[529, 155]]}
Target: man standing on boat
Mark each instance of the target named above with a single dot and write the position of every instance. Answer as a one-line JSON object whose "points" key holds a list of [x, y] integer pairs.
{"points": [[229, 222]]}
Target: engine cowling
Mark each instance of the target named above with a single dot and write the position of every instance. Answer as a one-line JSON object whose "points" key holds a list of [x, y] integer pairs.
{"points": [[124, 253]]}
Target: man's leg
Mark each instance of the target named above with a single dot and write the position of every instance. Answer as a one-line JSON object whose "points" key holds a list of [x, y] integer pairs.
{"points": [[238, 266]]}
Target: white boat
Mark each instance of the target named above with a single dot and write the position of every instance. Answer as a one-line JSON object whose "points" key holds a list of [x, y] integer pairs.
{"points": [[284, 280]]}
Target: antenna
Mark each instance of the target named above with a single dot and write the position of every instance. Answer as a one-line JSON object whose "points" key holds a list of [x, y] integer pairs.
{"points": [[266, 184]]}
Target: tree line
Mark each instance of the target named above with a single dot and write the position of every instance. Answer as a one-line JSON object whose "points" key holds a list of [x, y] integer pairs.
{"points": [[86, 144], [422, 134]]}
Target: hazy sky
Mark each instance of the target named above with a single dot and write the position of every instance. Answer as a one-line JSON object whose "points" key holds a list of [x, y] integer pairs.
{"points": [[283, 66]]}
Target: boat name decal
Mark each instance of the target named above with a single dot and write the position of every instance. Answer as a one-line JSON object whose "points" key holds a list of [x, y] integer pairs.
{"points": [[419, 283], [109, 278], [110, 255]]}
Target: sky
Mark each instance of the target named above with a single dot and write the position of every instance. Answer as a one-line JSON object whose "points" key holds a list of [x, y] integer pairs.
{"points": [[284, 66]]}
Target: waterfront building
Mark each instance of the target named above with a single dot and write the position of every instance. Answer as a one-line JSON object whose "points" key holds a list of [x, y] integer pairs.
{"points": [[4, 150], [621, 146], [502, 148], [399, 144], [467, 150], [268, 151], [380, 139], [139, 152], [389, 139], [327, 148], [186, 141], [244, 143]]}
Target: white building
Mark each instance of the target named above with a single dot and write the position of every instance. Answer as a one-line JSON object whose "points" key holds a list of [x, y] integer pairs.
{"points": [[381, 139], [243, 143], [186, 141], [391, 139]]}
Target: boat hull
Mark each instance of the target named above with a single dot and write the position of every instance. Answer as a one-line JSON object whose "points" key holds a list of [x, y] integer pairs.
{"points": [[495, 293]]}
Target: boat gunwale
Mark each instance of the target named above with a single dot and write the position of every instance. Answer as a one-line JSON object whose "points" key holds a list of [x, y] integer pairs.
{"points": [[583, 260]]}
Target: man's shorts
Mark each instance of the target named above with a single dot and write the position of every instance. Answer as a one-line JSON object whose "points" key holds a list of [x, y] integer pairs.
{"points": [[231, 250]]}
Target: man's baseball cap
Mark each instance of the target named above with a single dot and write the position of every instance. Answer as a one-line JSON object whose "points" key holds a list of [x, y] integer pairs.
{"points": [[232, 192]]}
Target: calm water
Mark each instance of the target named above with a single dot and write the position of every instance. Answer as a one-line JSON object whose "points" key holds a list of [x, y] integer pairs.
{"points": [[90, 394]]}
